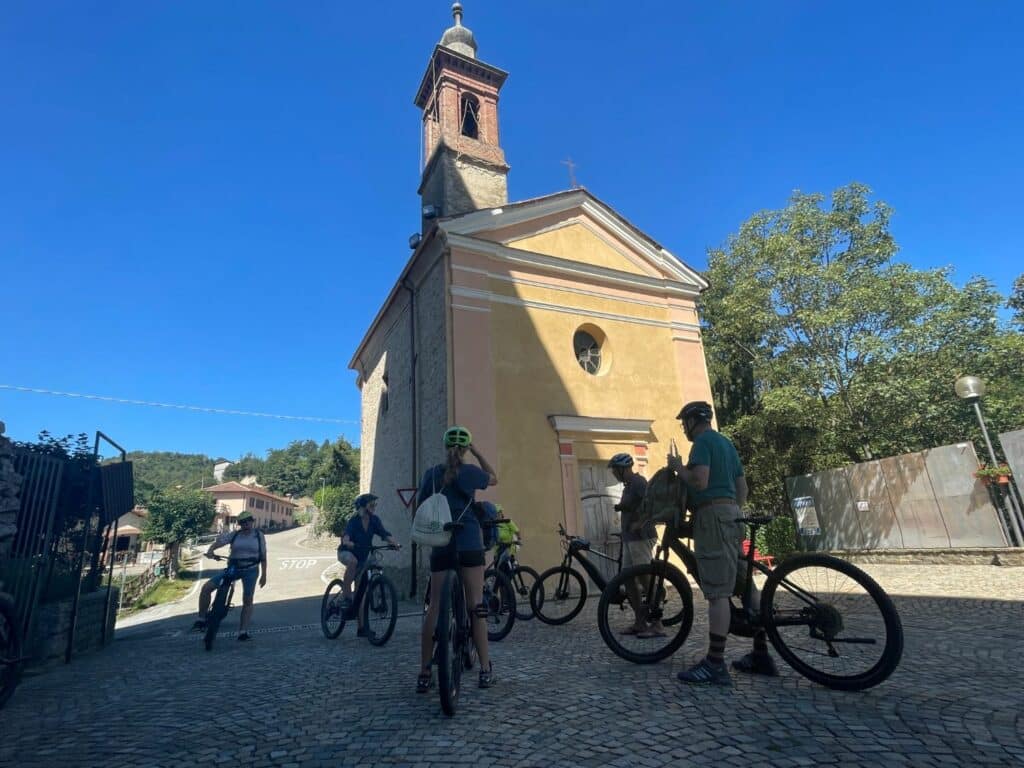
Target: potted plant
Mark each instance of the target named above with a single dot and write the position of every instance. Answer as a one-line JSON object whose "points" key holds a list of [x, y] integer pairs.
{"points": [[998, 474]]}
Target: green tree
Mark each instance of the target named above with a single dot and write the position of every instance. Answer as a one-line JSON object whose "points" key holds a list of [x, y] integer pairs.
{"points": [[1016, 302], [175, 516], [823, 350], [337, 505], [250, 464]]}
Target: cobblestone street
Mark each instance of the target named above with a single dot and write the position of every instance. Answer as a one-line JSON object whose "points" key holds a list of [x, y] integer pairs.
{"points": [[293, 698]]}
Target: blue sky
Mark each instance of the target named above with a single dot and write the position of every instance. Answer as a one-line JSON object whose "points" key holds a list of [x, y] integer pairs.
{"points": [[206, 203]]}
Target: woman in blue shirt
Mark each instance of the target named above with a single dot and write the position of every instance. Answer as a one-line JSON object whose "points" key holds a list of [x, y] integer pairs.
{"points": [[459, 483]]}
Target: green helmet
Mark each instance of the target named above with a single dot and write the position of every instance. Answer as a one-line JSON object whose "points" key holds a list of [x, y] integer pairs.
{"points": [[457, 436]]}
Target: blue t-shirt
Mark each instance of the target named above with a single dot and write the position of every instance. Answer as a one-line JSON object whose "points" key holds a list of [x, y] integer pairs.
{"points": [[362, 538], [460, 494]]}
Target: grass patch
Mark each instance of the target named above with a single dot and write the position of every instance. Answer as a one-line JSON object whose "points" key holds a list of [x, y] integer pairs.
{"points": [[165, 591]]}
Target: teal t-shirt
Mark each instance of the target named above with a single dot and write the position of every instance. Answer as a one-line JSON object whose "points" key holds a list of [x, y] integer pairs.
{"points": [[716, 451]]}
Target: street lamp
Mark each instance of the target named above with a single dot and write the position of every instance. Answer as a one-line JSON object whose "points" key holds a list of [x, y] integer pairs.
{"points": [[971, 389]]}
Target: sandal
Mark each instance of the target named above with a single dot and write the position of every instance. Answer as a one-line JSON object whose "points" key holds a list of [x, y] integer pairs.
{"points": [[487, 676], [425, 681]]}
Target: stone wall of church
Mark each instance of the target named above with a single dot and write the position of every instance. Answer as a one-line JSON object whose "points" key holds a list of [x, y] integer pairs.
{"points": [[460, 184], [432, 364]]}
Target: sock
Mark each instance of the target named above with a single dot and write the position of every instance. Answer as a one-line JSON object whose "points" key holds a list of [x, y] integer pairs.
{"points": [[716, 649]]}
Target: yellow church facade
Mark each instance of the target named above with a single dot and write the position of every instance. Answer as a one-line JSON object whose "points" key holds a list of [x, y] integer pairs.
{"points": [[552, 328]]}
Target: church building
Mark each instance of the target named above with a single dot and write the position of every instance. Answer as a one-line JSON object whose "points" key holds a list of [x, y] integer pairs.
{"points": [[552, 328]]}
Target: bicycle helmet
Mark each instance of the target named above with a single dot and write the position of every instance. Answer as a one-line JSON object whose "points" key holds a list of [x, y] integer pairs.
{"points": [[696, 410], [245, 516], [457, 436], [364, 500], [620, 461]]}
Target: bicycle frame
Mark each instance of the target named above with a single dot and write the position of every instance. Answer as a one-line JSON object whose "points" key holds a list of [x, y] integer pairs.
{"points": [[573, 551]]}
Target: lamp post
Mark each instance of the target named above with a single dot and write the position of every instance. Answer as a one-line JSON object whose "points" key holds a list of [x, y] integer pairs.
{"points": [[971, 389]]}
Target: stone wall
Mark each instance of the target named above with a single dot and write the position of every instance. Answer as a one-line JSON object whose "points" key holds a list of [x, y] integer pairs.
{"points": [[52, 623], [10, 487]]}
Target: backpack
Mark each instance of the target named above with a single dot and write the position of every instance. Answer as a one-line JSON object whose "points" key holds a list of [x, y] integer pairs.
{"points": [[431, 517], [665, 499], [259, 542]]}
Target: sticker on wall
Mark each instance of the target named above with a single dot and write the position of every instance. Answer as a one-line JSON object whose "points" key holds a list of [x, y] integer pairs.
{"points": [[862, 506], [806, 516]]}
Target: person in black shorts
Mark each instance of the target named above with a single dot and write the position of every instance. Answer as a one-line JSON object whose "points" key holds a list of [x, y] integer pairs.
{"points": [[459, 482]]}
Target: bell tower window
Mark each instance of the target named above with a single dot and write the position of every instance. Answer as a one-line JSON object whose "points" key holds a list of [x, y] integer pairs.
{"points": [[470, 111]]}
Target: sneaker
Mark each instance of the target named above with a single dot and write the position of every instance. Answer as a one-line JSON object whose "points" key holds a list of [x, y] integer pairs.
{"points": [[199, 626], [706, 673], [425, 681], [487, 676], [244, 636], [757, 664]]}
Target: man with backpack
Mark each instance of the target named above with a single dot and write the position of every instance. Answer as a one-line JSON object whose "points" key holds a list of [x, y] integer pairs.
{"points": [[718, 490], [247, 546]]}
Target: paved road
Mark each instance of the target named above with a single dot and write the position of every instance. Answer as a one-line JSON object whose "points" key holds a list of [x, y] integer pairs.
{"points": [[291, 697]]}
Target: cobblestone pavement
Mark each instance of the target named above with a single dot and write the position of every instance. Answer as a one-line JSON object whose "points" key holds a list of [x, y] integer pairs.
{"points": [[293, 698]]}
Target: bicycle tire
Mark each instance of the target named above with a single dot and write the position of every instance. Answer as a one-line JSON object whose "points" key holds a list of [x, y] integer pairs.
{"points": [[331, 611], [523, 579], [500, 599], [827, 618], [554, 590], [382, 600], [10, 650], [216, 615], [447, 651], [683, 612]]}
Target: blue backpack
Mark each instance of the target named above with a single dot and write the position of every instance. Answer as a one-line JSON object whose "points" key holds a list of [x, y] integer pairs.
{"points": [[486, 511]]}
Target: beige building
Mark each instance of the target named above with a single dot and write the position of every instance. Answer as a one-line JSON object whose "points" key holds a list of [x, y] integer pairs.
{"points": [[554, 329], [269, 510]]}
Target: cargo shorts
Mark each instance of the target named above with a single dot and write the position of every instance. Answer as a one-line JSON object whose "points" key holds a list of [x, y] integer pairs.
{"points": [[718, 544]]}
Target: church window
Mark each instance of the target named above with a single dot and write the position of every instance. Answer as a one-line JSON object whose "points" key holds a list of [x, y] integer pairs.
{"points": [[470, 112], [587, 348]]}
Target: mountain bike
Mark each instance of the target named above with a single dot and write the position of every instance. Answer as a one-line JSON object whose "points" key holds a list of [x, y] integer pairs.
{"points": [[10, 648], [559, 593], [521, 577], [225, 592], [375, 596], [825, 617]]}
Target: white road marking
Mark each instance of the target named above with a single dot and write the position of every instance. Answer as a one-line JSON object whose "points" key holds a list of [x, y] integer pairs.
{"points": [[323, 575]]}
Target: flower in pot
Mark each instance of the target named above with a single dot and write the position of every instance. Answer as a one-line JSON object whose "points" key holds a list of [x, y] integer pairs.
{"points": [[998, 474]]}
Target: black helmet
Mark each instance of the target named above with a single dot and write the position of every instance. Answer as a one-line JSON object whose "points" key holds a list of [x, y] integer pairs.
{"points": [[620, 460], [696, 410], [364, 500]]}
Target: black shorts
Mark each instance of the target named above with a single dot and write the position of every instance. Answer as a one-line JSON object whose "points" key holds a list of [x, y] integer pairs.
{"points": [[446, 558]]}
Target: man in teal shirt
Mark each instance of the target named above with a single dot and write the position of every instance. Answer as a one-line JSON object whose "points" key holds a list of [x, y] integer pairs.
{"points": [[718, 489]]}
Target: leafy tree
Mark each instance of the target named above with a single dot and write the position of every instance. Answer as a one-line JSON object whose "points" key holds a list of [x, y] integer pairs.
{"points": [[175, 516], [1016, 302], [250, 464], [337, 505], [824, 351]]}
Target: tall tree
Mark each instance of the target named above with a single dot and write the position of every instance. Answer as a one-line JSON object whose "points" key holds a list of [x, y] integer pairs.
{"points": [[823, 350], [175, 516]]}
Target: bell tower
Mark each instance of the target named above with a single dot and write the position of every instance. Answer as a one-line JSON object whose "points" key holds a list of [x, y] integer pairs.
{"points": [[463, 164]]}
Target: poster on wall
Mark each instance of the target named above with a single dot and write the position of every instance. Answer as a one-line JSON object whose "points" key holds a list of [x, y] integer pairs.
{"points": [[806, 516]]}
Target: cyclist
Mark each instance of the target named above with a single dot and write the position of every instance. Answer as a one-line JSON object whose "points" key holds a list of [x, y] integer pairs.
{"points": [[638, 539], [247, 545], [718, 490], [459, 482], [355, 547]]}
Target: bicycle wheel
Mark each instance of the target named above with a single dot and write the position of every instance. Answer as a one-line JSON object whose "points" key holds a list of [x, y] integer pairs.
{"points": [[831, 622], [673, 599], [380, 610], [448, 645], [10, 650], [523, 579], [500, 600], [217, 613], [332, 612], [558, 595]]}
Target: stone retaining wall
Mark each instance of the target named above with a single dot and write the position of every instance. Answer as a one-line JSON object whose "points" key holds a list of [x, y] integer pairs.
{"points": [[53, 622], [981, 556]]}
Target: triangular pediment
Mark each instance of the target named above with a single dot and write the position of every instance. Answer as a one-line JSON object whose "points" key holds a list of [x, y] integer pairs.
{"points": [[575, 226]]}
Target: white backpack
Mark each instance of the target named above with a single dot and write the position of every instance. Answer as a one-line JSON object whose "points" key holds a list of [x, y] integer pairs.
{"points": [[431, 517]]}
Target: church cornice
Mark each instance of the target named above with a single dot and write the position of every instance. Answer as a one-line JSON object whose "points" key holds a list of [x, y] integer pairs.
{"points": [[445, 58]]}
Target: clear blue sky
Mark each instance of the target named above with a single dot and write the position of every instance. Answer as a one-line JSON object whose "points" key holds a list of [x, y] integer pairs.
{"points": [[206, 203]]}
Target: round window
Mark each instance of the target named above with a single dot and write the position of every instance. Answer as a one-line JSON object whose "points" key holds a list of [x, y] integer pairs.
{"points": [[588, 346]]}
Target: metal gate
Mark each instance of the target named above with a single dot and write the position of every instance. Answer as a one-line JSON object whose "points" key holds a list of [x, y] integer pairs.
{"points": [[26, 571]]}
